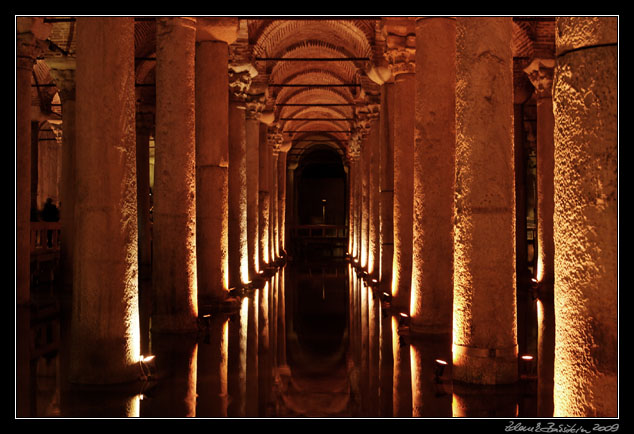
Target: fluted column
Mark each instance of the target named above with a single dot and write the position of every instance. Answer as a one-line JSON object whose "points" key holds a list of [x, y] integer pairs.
{"points": [[432, 270], [400, 53], [105, 324], [174, 228], [484, 329], [586, 217], [540, 72]]}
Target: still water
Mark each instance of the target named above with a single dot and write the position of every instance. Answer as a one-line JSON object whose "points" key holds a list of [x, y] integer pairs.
{"points": [[314, 341]]}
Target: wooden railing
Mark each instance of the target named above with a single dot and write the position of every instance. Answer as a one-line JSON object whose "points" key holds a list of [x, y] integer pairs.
{"points": [[45, 236], [321, 231], [320, 240]]}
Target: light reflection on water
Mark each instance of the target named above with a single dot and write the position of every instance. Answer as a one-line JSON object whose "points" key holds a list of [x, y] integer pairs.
{"points": [[312, 342]]}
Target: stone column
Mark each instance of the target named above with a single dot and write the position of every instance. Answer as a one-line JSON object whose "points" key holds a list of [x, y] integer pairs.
{"points": [[28, 31], [586, 217], [264, 202], [212, 157], [105, 323], [432, 269], [63, 72], [354, 150], [484, 328], [275, 142], [540, 72], [239, 82], [281, 195], [401, 48], [373, 189], [386, 187], [254, 109], [174, 229]]}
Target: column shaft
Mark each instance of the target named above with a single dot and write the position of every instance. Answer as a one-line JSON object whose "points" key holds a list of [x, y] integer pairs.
{"points": [[432, 251], [212, 173], [253, 175], [586, 217], [238, 248], [105, 323], [281, 194], [174, 228], [386, 187], [404, 127], [264, 197], [484, 329]]}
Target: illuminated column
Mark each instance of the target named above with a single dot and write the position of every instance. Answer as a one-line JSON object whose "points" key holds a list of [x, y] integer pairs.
{"points": [[540, 72], [239, 82], [586, 217], [402, 381], [432, 269], [386, 187], [63, 72], [275, 142], [212, 157], [401, 48], [174, 226], [264, 202], [254, 109], [281, 195], [105, 323], [354, 150], [373, 189], [361, 130], [28, 31], [252, 380], [484, 329]]}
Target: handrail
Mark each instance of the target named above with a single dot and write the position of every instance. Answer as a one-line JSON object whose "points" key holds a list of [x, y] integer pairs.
{"points": [[45, 236]]}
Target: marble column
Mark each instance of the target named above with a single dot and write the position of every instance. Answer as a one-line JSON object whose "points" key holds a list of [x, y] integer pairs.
{"points": [[105, 344], [212, 157], [484, 315], [254, 109], [264, 201], [585, 101], [432, 269], [386, 187], [275, 142], [400, 53], [540, 72], [281, 196], [239, 82], [373, 189], [174, 228], [63, 73]]}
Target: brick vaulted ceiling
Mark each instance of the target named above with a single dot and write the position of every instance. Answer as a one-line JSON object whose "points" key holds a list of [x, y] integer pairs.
{"points": [[312, 72]]}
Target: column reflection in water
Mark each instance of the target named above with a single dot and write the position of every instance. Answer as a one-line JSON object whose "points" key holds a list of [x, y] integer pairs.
{"points": [[431, 387], [213, 353], [252, 356], [484, 401], [237, 366], [402, 394], [264, 365], [373, 352], [176, 365], [386, 363]]}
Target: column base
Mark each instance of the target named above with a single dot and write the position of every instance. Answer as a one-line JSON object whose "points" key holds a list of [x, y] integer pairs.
{"points": [[486, 366]]}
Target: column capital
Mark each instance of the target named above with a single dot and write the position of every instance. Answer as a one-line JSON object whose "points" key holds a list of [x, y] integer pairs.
{"points": [[354, 147], [540, 73], [400, 44], [274, 138], [240, 77], [30, 30], [255, 105], [221, 29]]}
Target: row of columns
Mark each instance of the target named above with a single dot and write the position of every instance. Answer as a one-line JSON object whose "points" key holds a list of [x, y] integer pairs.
{"points": [[214, 171], [446, 178]]}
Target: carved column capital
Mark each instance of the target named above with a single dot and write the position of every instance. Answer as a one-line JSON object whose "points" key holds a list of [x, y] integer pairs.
{"points": [[540, 73], [400, 44], [255, 105], [275, 138]]}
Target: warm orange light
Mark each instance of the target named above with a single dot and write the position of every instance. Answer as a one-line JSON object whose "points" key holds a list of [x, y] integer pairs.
{"points": [[441, 362], [527, 358]]}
